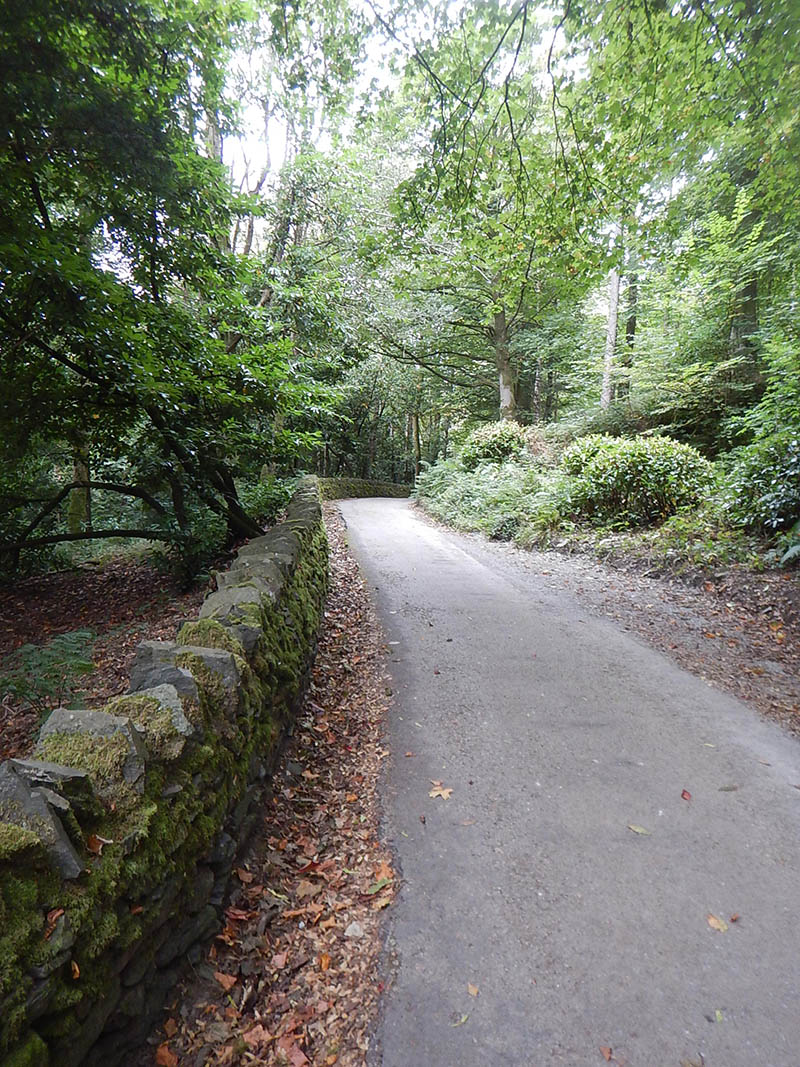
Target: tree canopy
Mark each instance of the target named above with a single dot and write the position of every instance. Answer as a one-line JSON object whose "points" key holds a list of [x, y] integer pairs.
{"points": [[336, 236]]}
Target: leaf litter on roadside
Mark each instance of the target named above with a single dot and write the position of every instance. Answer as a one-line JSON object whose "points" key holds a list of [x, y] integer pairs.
{"points": [[281, 983]]}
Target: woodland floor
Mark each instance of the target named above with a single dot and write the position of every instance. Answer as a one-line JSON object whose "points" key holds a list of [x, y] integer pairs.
{"points": [[294, 977], [124, 601]]}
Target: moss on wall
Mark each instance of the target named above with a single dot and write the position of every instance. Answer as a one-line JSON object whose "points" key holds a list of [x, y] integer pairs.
{"points": [[342, 488], [142, 852]]}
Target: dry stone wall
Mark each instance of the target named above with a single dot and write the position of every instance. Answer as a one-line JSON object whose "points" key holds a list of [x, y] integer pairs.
{"points": [[118, 836], [342, 488]]}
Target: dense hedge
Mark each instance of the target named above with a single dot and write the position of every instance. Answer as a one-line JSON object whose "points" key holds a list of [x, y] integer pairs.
{"points": [[635, 481], [117, 840]]}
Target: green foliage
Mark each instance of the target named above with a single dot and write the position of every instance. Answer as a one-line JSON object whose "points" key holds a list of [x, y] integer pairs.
{"points": [[266, 498], [43, 676], [764, 485], [640, 481], [580, 453], [494, 498], [495, 442]]}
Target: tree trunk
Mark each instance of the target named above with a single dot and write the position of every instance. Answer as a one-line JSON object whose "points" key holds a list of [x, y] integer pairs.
{"points": [[505, 370], [417, 444], [611, 338], [79, 514], [622, 387], [536, 400]]}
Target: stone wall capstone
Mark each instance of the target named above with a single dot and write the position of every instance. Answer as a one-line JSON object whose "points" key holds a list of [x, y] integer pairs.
{"points": [[118, 836]]}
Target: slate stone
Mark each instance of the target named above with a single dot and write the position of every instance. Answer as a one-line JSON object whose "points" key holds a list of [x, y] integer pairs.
{"points": [[247, 636], [223, 852], [40, 996], [101, 724], [229, 603], [27, 808], [262, 572], [79, 1044], [198, 928], [154, 666], [72, 783]]}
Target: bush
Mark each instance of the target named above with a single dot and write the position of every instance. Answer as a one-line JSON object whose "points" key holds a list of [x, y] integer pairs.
{"points": [[493, 443], [581, 452], [763, 489], [494, 499], [640, 481], [266, 498]]}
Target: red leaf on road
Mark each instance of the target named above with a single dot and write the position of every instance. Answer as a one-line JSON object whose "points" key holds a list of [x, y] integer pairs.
{"points": [[686, 795], [606, 1053]]}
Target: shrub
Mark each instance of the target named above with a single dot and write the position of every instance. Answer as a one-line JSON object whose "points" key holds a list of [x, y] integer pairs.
{"points": [[581, 452], [550, 508], [640, 481], [763, 489], [493, 443], [266, 498], [494, 498]]}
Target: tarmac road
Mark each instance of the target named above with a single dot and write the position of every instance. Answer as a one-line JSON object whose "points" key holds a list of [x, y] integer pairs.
{"points": [[557, 732]]}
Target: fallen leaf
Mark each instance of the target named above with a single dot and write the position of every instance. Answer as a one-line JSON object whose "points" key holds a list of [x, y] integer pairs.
{"points": [[409, 754], [227, 981], [686, 795], [52, 918], [472, 990], [292, 1051], [279, 960], [716, 924], [76, 971], [351, 798], [95, 844], [638, 829], [165, 1057], [381, 902], [257, 1036], [606, 1053], [422, 819], [305, 889], [324, 961], [384, 871], [461, 1021], [719, 1016], [440, 791], [376, 887], [170, 1027], [735, 917], [244, 876]]}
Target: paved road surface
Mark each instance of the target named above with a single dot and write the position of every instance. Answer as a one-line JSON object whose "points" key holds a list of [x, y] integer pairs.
{"points": [[557, 731]]}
